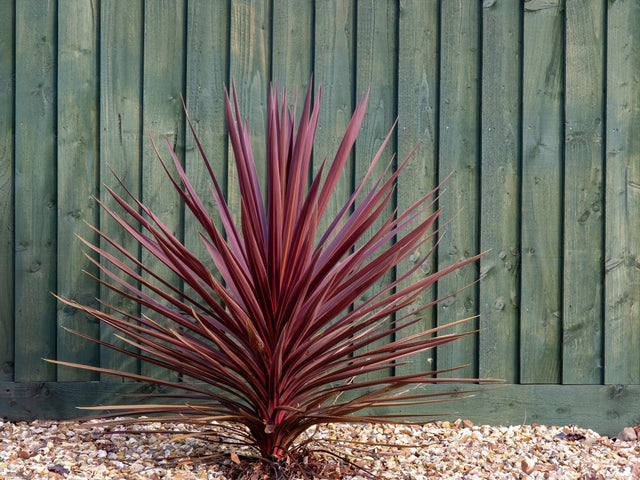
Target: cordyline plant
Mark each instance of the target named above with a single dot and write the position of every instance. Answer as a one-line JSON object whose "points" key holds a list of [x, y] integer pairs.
{"points": [[276, 341]]}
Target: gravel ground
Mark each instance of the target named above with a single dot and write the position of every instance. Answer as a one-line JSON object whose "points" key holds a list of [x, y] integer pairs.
{"points": [[453, 450]]}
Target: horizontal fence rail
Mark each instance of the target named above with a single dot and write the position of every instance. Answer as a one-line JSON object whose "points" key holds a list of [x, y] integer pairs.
{"points": [[533, 108]]}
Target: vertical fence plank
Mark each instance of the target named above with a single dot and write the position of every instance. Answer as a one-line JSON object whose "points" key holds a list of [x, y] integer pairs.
{"points": [[376, 68], [560, 340], [583, 194], [417, 122], [78, 169], [459, 153], [7, 127], [207, 73], [120, 137], [622, 247], [35, 190], [163, 119], [541, 308], [334, 70], [292, 46], [250, 41], [500, 187]]}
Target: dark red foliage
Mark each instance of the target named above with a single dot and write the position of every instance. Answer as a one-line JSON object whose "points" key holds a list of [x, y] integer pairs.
{"points": [[274, 344]]}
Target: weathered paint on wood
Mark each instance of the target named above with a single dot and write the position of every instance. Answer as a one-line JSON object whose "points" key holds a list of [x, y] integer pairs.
{"points": [[292, 50], [500, 191], [120, 145], [459, 151], [207, 73], [622, 241], [163, 119], [334, 71], [7, 129], [78, 169], [500, 132], [605, 409], [375, 69], [541, 306], [418, 38], [35, 190], [583, 194], [250, 70], [292, 47], [334, 61]]}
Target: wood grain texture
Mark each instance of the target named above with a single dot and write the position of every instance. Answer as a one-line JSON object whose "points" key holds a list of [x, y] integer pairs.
{"points": [[459, 153], [163, 119], [78, 169], [418, 38], [582, 287], [334, 70], [292, 46], [605, 409], [544, 146], [541, 301], [35, 190], [7, 129], [622, 243], [207, 74], [376, 69], [121, 40], [292, 50], [498, 347], [250, 46]]}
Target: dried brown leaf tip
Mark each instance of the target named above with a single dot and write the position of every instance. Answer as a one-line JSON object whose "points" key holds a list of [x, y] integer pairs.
{"points": [[570, 434], [59, 469]]}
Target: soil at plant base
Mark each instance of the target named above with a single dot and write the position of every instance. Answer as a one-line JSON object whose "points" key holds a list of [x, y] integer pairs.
{"points": [[70, 450]]}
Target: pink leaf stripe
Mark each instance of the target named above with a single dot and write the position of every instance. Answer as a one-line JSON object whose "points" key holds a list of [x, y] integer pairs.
{"points": [[272, 337]]}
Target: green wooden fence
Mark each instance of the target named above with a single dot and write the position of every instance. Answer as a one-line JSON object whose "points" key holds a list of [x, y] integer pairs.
{"points": [[534, 106]]}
